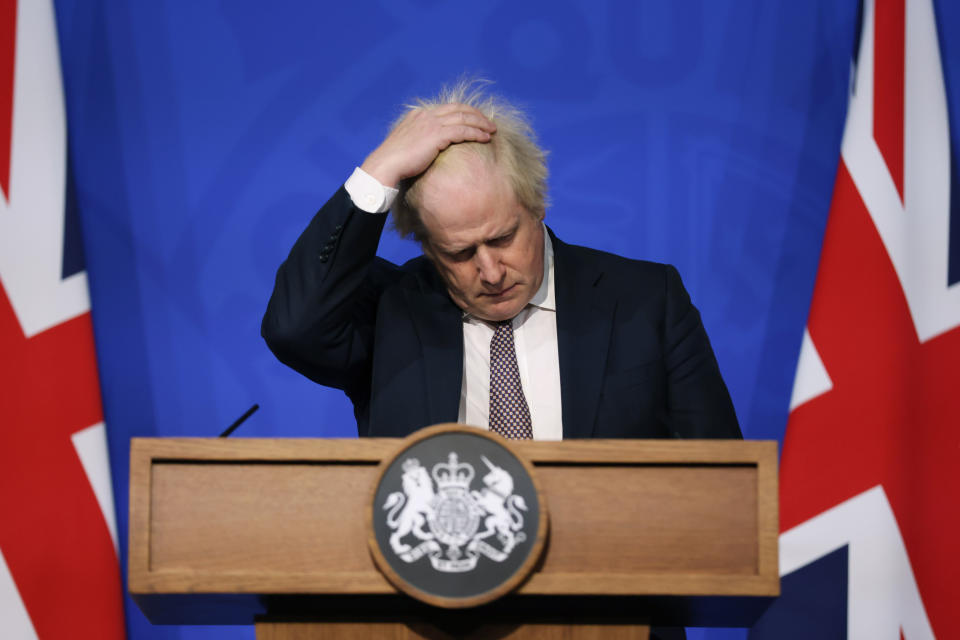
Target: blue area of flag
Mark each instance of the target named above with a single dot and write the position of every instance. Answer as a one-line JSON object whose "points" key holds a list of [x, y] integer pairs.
{"points": [[73, 257], [812, 604], [856, 42]]}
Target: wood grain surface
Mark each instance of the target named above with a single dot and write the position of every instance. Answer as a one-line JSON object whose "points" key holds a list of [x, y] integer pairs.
{"points": [[282, 516]]}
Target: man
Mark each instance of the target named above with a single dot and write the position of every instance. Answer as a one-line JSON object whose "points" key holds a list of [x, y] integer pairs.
{"points": [[499, 324]]}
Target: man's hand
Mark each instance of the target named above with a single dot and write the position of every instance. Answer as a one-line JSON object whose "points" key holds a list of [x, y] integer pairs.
{"points": [[415, 142]]}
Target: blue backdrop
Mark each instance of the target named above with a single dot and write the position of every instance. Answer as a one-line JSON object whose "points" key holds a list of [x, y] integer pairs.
{"points": [[204, 134]]}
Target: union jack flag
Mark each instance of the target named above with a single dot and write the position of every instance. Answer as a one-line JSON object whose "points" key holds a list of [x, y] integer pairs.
{"points": [[869, 473], [59, 576]]}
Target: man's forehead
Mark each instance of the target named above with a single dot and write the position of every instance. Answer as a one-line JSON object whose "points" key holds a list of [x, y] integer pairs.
{"points": [[456, 240]]}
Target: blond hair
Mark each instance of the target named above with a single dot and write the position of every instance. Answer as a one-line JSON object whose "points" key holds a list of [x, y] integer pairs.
{"points": [[513, 149]]}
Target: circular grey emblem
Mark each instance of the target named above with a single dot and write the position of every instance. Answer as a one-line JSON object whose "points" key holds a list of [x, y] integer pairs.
{"points": [[457, 517]]}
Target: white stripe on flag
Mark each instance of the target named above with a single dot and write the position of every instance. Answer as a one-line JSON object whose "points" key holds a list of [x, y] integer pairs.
{"points": [[882, 594], [91, 446], [32, 223], [812, 378], [14, 622], [914, 233]]}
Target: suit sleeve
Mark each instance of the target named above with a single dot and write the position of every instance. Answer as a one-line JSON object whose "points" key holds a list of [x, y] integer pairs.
{"points": [[320, 317], [698, 401]]}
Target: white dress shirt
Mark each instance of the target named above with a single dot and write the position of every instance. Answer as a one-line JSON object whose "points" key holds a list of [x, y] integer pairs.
{"points": [[534, 337]]}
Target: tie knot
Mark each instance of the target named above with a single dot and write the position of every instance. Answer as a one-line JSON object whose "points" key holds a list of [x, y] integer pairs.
{"points": [[503, 338]]}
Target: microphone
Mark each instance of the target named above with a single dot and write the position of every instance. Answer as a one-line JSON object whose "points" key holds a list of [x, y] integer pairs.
{"points": [[239, 421]]}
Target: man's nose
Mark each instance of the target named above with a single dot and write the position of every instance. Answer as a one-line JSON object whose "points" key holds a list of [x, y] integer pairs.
{"points": [[489, 266]]}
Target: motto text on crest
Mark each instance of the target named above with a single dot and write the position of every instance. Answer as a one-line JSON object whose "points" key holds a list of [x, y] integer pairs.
{"points": [[445, 522]]}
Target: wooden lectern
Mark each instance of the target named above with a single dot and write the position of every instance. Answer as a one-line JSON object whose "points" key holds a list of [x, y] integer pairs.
{"points": [[273, 532]]}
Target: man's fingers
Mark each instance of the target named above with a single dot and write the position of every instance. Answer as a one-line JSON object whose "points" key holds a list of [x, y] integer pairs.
{"points": [[453, 123], [463, 114], [421, 135], [453, 134], [475, 119]]}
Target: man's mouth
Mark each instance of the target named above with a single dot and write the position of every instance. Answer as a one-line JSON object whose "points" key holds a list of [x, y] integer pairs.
{"points": [[502, 292]]}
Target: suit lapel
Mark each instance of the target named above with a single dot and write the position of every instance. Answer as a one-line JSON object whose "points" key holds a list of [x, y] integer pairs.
{"points": [[439, 328], [584, 322]]}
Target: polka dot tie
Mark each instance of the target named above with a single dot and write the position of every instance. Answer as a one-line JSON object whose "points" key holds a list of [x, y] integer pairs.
{"points": [[509, 414]]}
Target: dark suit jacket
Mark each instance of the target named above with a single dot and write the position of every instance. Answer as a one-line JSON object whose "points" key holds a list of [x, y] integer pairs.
{"points": [[635, 361]]}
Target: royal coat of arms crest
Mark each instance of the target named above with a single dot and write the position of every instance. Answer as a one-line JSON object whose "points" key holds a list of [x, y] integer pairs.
{"points": [[439, 515]]}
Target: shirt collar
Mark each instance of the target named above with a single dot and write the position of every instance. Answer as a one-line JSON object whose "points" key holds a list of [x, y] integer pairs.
{"points": [[544, 297]]}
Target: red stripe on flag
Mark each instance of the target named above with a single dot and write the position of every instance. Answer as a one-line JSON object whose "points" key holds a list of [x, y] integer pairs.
{"points": [[53, 534], [888, 73], [8, 47]]}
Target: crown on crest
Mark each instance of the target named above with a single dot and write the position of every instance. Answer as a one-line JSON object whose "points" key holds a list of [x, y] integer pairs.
{"points": [[410, 463], [453, 473]]}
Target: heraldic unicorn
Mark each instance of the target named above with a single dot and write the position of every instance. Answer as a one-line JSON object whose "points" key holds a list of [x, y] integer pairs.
{"points": [[452, 515]]}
